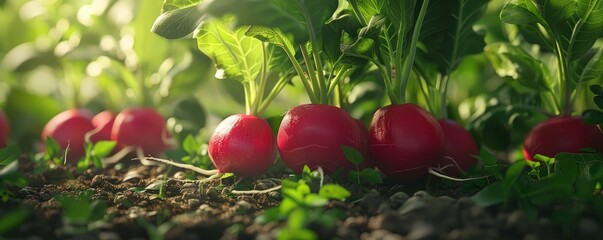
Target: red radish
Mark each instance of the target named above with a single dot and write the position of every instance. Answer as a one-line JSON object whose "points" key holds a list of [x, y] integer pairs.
{"points": [[461, 149], [244, 145], [404, 141], [103, 123], [69, 128], [4, 129], [141, 128], [561, 134], [312, 134]]}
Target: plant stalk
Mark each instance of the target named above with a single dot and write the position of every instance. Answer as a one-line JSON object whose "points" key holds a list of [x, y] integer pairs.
{"points": [[302, 76], [312, 74], [409, 62]]}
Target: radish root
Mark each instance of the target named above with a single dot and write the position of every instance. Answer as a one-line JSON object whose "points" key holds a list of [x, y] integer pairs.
{"points": [[256, 191], [437, 174], [211, 173]]}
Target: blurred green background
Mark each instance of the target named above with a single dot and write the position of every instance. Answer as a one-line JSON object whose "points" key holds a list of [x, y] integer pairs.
{"points": [[101, 54]]}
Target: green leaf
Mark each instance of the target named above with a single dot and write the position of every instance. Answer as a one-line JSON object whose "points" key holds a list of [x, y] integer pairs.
{"points": [[314, 200], [371, 176], [448, 32], [591, 116], [227, 175], [512, 175], [303, 188], [298, 219], [53, 149], [189, 145], [489, 163], [555, 11], [368, 9], [591, 70], [566, 167], [171, 5], [235, 55], [13, 218], [596, 89], [75, 208], [549, 190], [98, 208], [286, 234], [154, 186], [521, 12], [598, 101], [10, 175], [269, 215], [300, 18], [103, 148], [270, 35], [352, 155], [334, 191], [514, 62], [344, 23], [491, 195], [9, 154], [583, 30], [178, 23]]}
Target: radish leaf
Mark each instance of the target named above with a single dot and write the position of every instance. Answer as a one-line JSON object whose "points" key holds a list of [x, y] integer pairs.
{"points": [[513, 61], [448, 33], [235, 55], [178, 19]]}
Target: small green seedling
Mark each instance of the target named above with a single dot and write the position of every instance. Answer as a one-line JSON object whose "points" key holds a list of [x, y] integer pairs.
{"points": [[368, 176], [300, 207], [196, 152], [81, 214], [9, 175], [94, 154], [567, 181]]}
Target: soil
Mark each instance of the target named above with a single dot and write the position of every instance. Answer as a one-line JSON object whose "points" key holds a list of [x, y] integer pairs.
{"points": [[209, 211]]}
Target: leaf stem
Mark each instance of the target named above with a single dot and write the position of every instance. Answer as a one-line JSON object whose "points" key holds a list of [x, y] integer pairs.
{"points": [[312, 74], [263, 80], [444, 92], [321, 76], [280, 84], [302, 75], [248, 96], [564, 80], [403, 79]]}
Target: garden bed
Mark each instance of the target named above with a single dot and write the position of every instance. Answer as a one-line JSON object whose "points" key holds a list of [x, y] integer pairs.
{"points": [[187, 211]]}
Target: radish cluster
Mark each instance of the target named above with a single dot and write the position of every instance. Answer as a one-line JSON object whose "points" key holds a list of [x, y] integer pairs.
{"points": [[140, 128]]}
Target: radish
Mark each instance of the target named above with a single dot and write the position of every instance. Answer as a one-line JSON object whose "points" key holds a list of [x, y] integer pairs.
{"points": [[103, 123], [404, 141], [142, 128], [460, 149], [4, 129], [561, 134], [312, 134], [69, 129], [243, 145]]}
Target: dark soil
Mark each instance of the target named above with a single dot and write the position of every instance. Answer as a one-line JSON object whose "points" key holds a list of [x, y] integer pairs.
{"points": [[189, 211]]}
